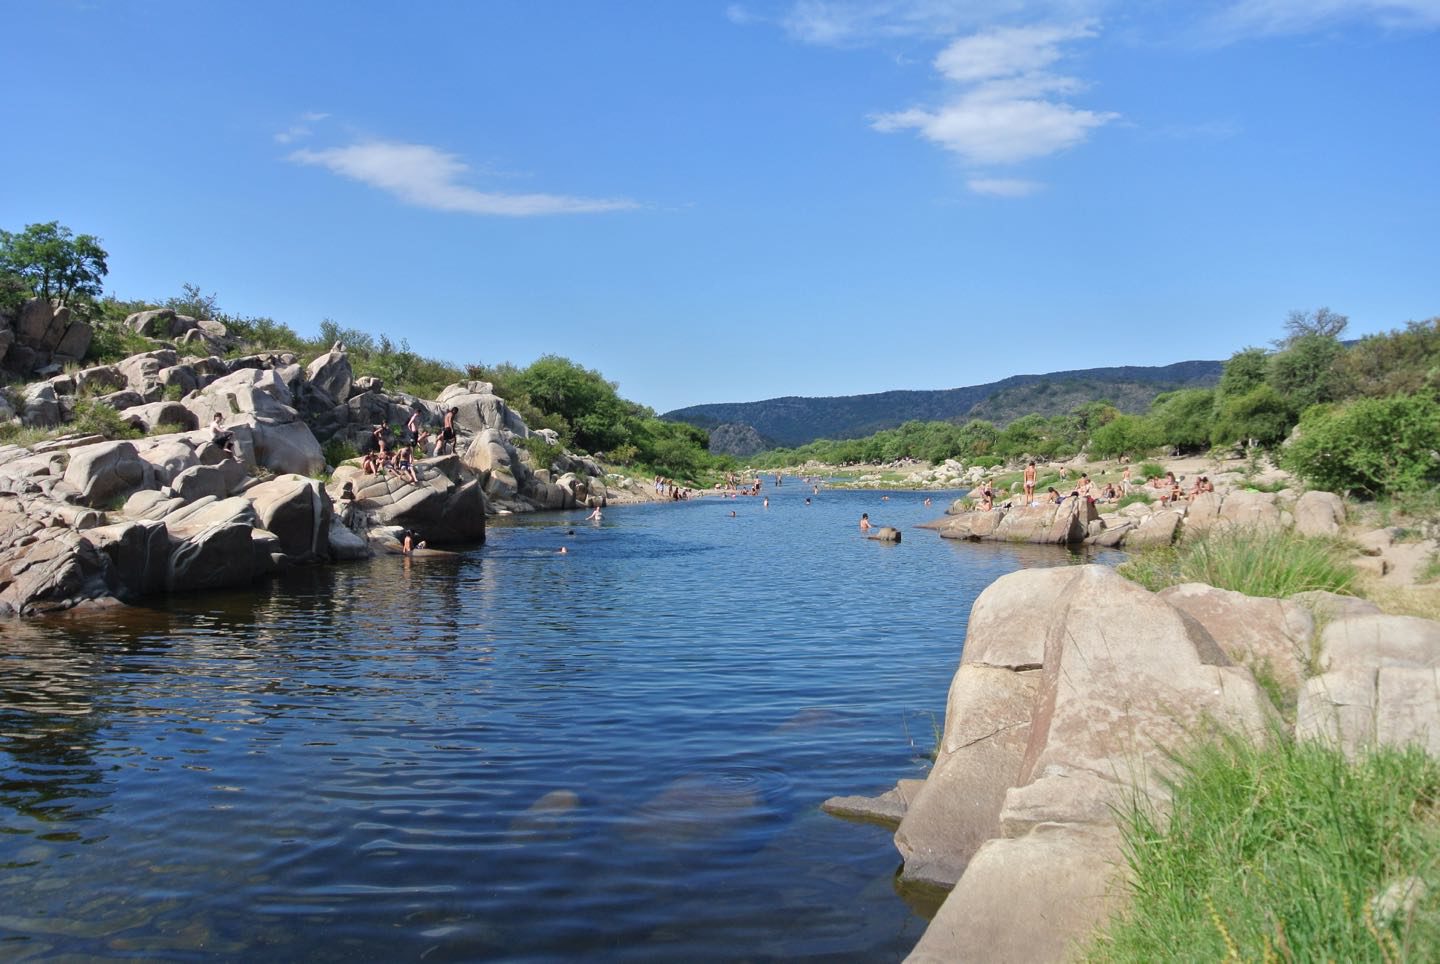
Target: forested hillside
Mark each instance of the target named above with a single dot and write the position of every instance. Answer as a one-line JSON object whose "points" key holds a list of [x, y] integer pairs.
{"points": [[796, 420]]}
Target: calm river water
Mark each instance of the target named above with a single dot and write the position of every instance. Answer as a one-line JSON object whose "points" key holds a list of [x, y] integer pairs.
{"points": [[345, 764]]}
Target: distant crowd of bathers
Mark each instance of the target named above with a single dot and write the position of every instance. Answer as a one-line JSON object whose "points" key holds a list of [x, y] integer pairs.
{"points": [[1166, 488], [670, 489], [383, 454]]}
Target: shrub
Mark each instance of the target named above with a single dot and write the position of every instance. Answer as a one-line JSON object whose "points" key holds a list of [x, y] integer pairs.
{"points": [[1373, 445], [113, 342], [1138, 495], [95, 418], [1123, 434], [1257, 562], [339, 450], [1151, 470], [1281, 852], [544, 453]]}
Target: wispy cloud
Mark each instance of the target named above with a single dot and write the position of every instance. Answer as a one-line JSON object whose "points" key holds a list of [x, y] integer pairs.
{"points": [[1004, 107], [1003, 186], [845, 23], [1265, 17], [301, 129], [428, 177]]}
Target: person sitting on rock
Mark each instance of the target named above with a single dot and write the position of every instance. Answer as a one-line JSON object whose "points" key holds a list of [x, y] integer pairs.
{"points": [[405, 465], [1053, 497], [225, 440]]}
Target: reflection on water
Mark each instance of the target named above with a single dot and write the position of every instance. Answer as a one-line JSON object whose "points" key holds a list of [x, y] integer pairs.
{"points": [[618, 751]]}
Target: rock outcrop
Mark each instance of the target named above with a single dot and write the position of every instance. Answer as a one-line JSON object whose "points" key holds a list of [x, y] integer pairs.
{"points": [[1073, 686], [83, 517]]}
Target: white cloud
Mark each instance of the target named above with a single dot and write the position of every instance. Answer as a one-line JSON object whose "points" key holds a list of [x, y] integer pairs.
{"points": [[842, 23], [1006, 51], [304, 127], [1003, 186], [1005, 108], [1249, 17], [428, 177]]}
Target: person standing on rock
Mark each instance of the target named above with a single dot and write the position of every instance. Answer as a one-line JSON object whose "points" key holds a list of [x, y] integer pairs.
{"points": [[412, 427], [447, 432], [1030, 481]]}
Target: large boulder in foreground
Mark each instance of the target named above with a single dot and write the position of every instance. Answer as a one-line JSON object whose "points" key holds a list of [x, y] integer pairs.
{"points": [[1074, 687], [1380, 685], [298, 511], [100, 474], [1269, 636]]}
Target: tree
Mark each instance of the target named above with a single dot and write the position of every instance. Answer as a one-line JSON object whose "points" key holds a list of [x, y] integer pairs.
{"points": [[1183, 419], [1392, 363], [194, 303], [53, 262], [1322, 322], [1260, 415], [1123, 435], [1245, 370], [1304, 373]]}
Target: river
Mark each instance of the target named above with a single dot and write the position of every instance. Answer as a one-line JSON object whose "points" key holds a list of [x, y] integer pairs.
{"points": [[613, 753]]}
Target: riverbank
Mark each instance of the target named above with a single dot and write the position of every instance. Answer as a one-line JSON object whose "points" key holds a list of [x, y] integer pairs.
{"points": [[1078, 693]]}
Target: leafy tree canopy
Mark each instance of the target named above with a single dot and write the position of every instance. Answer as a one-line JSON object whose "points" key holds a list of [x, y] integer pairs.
{"points": [[54, 263]]}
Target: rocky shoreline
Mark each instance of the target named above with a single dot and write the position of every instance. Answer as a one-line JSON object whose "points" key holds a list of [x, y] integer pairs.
{"points": [[90, 521], [1075, 686]]}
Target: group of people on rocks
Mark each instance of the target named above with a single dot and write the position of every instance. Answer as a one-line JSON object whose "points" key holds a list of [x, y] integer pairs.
{"points": [[383, 456]]}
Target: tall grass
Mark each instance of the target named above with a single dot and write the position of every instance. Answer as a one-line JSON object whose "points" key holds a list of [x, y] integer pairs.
{"points": [[1256, 562], [1284, 852]]}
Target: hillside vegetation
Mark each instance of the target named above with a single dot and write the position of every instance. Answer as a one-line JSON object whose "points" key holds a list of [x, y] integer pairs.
{"points": [[580, 404], [796, 420]]}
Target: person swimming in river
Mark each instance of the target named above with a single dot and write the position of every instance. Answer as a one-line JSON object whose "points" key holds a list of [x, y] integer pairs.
{"points": [[594, 515], [864, 522]]}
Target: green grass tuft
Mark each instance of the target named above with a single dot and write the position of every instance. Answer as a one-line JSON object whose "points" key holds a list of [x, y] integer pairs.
{"points": [[1282, 852], [1256, 562]]}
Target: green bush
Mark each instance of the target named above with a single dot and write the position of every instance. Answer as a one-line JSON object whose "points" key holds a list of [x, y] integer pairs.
{"points": [[1282, 852], [1138, 495], [113, 342], [338, 451], [543, 452], [1373, 445], [1256, 562], [95, 418], [1150, 470], [1122, 435]]}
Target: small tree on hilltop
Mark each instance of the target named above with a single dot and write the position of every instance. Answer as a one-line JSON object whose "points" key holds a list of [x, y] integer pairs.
{"points": [[56, 264], [1321, 321]]}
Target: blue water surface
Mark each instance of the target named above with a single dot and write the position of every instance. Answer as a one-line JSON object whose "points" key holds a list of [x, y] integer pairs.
{"points": [[617, 752]]}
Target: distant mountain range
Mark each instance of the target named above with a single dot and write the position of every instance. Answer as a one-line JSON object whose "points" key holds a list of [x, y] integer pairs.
{"points": [[743, 428]]}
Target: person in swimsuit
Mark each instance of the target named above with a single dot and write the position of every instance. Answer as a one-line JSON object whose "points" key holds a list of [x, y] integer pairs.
{"points": [[222, 438], [412, 427], [1030, 481], [447, 433], [864, 522]]}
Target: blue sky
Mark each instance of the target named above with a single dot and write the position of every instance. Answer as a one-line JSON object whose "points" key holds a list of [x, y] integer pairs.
{"points": [[732, 201]]}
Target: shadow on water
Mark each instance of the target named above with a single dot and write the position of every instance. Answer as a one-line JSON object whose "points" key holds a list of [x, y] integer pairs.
{"points": [[618, 751]]}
